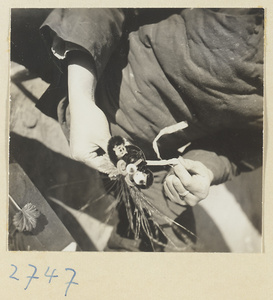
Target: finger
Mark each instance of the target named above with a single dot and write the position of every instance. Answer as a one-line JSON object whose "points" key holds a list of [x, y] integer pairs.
{"points": [[171, 197], [177, 186], [192, 200], [99, 144], [92, 149], [180, 194], [167, 191], [192, 166], [104, 144], [181, 172], [173, 186], [100, 163]]}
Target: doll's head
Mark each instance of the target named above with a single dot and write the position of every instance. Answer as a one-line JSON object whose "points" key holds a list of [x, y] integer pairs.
{"points": [[143, 179], [116, 149]]}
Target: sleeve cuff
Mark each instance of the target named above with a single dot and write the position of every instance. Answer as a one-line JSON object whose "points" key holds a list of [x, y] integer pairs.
{"points": [[222, 169]]}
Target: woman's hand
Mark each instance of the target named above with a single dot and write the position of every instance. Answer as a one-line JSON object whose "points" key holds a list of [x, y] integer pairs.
{"points": [[190, 182], [89, 135], [89, 128]]}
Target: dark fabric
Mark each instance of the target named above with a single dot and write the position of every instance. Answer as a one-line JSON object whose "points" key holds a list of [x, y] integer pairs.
{"points": [[98, 31], [216, 64], [182, 75]]}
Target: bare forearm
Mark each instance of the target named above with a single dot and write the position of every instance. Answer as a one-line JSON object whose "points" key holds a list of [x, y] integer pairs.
{"points": [[89, 126]]}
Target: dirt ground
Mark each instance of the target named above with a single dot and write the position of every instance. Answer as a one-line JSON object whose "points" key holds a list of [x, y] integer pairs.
{"points": [[75, 192]]}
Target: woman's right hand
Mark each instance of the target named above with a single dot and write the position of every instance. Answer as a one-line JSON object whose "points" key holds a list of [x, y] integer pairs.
{"points": [[189, 183]]}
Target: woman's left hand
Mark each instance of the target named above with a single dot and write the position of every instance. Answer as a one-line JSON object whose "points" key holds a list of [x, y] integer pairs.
{"points": [[190, 182]]}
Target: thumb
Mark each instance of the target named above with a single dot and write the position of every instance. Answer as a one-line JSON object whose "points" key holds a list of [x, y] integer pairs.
{"points": [[101, 163], [104, 144], [194, 167]]}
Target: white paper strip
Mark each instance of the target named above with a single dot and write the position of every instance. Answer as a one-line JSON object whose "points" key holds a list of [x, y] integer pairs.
{"points": [[169, 130]]}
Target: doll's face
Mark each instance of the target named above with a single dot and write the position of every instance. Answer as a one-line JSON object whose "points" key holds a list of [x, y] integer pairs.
{"points": [[120, 150]]}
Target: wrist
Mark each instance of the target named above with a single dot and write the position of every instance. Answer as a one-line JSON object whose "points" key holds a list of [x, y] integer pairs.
{"points": [[211, 176]]}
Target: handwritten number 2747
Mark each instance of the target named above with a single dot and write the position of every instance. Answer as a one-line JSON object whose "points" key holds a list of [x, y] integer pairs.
{"points": [[50, 276]]}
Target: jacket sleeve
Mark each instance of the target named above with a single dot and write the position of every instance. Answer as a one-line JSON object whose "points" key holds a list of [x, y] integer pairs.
{"points": [[94, 31], [229, 153]]}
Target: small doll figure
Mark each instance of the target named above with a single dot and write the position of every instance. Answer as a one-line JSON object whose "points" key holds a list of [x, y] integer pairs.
{"points": [[143, 178], [130, 162], [116, 148]]}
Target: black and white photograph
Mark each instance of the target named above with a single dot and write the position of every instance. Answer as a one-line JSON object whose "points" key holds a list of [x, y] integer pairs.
{"points": [[136, 130]]}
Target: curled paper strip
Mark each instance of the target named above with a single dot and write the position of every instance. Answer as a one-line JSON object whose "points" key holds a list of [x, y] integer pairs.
{"points": [[168, 130]]}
